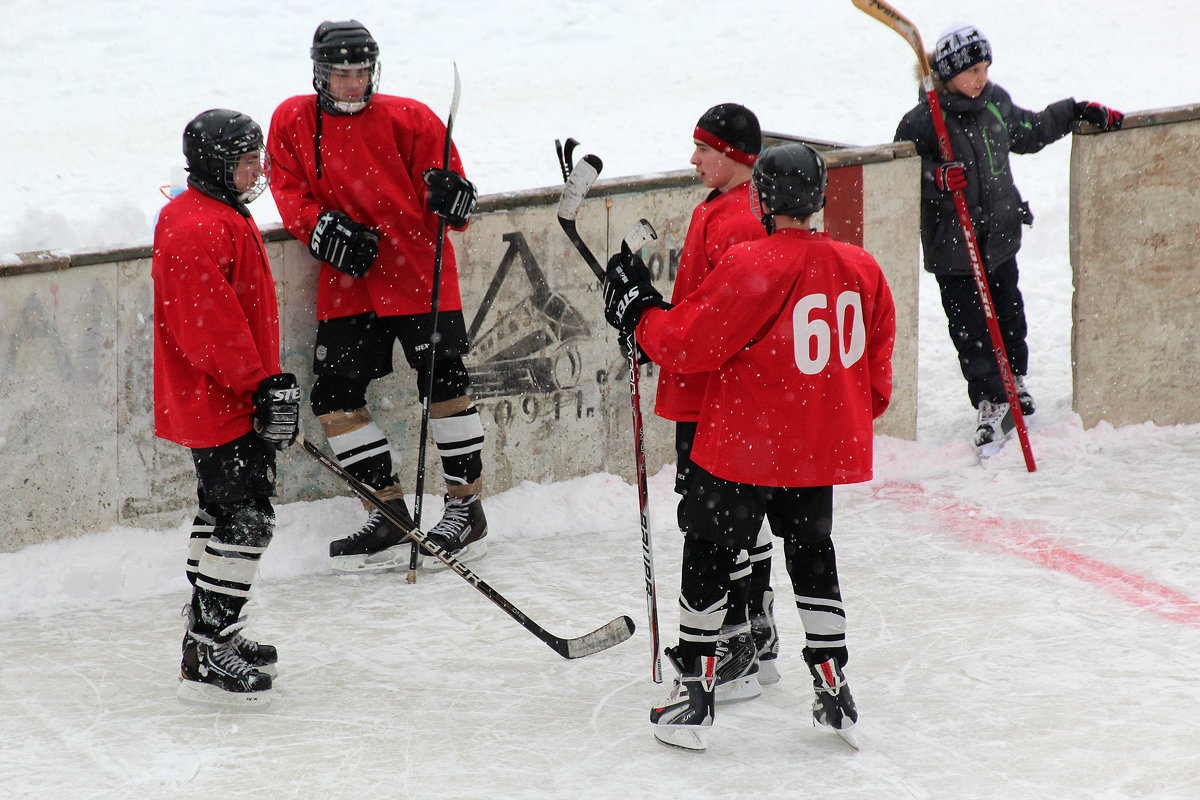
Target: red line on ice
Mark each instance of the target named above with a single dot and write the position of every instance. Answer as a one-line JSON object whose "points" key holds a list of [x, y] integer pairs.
{"points": [[1023, 539]]}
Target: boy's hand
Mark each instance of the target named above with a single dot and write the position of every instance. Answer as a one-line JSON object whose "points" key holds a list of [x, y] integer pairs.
{"points": [[950, 176], [1103, 117]]}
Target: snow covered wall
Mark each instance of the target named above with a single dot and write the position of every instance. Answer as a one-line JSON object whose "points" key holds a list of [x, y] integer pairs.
{"points": [[77, 446], [1135, 224]]}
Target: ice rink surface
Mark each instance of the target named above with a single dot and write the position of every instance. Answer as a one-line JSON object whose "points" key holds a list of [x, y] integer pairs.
{"points": [[1039, 639]]}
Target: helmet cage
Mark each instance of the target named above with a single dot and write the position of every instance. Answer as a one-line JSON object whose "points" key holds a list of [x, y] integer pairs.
{"points": [[322, 72]]}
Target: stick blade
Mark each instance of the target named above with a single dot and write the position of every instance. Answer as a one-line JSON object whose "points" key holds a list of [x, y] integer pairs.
{"points": [[639, 235], [601, 639], [579, 182], [889, 16]]}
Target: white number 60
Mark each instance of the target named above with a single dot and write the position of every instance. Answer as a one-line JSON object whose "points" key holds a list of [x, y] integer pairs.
{"points": [[814, 338]]}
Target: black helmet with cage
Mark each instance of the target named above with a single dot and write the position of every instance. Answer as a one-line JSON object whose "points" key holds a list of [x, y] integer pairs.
{"points": [[788, 179], [347, 45], [214, 144]]}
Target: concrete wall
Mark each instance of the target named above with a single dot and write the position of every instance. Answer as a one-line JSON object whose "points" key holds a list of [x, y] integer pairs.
{"points": [[77, 450], [1135, 226]]}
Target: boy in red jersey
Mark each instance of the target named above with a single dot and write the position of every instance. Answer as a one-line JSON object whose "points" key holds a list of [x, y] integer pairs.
{"points": [[797, 331], [727, 140], [358, 176], [218, 390]]}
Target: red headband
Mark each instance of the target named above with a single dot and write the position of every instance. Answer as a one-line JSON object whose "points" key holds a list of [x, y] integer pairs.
{"points": [[722, 146]]}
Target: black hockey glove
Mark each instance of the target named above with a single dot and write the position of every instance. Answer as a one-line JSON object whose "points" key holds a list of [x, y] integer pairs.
{"points": [[1103, 117], [450, 196], [277, 420], [628, 291], [950, 176], [344, 244]]}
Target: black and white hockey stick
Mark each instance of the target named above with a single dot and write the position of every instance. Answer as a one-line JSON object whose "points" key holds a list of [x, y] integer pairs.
{"points": [[579, 179], [889, 16], [435, 298], [602, 638]]}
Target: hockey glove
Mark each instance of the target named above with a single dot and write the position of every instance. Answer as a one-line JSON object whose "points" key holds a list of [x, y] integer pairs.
{"points": [[950, 177], [277, 401], [1103, 117], [450, 196], [344, 244], [628, 291]]}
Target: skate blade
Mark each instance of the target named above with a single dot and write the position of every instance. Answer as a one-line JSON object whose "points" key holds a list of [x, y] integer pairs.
{"points": [[738, 691], [768, 673], [472, 552], [205, 694], [848, 736], [685, 737]]}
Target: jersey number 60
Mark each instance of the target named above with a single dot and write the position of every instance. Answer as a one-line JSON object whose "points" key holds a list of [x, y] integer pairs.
{"points": [[813, 335]]}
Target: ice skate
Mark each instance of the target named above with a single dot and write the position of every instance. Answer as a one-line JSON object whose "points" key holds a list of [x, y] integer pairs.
{"points": [[460, 532], [212, 673], [262, 657], [766, 640], [833, 706], [994, 424], [1023, 396], [377, 537], [683, 720], [737, 668]]}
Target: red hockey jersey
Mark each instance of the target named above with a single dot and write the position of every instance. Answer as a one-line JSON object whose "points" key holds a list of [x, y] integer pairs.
{"points": [[216, 321], [721, 221], [371, 165], [798, 331]]}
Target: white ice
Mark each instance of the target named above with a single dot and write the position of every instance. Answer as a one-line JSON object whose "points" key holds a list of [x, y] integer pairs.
{"points": [[1012, 635]]}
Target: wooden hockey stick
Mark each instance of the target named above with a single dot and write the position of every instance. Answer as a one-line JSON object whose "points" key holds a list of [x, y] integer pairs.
{"points": [[889, 16]]}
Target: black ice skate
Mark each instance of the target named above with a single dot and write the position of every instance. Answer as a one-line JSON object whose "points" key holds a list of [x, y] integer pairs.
{"points": [[737, 668], [1023, 396], [683, 720], [833, 706], [766, 640], [369, 548], [212, 673], [460, 532], [262, 657]]}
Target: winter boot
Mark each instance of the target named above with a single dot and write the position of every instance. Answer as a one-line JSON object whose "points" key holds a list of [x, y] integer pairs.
{"points": [[737, 667], [460, 532], [377, 534], [833, 706], [995, 422], [213, 673], [262, 657], [766, 640], [1023, 396], [683, 719]]}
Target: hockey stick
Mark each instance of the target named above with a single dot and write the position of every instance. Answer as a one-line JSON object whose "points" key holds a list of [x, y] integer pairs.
{"points": [[435, 299], [635, 240], [602, 638], [889, 16], [579, 180]]}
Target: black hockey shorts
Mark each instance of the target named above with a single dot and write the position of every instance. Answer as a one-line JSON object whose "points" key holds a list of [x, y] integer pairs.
{"points": [[359, 348], [731, 514], [232, 473]]}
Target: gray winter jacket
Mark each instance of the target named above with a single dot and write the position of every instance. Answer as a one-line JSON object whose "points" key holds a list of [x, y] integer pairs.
{"points": [[983, 131]]}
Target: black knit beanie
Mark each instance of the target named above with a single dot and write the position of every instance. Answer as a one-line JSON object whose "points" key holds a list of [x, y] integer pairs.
{"points": [[731, 129]]}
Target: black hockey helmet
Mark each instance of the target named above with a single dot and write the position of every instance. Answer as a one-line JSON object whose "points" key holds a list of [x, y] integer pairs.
{"points": [[789, 179], [213, 144], [343, 44]]}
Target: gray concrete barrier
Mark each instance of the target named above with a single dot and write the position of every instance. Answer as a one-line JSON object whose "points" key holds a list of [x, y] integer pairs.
{"points": [[77, 446], [1135, 229]]}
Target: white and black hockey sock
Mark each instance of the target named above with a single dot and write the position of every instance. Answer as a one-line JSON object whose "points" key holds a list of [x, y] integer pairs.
{"points": [[366, 454], [459, 440], [813, 570], [202, 528]]}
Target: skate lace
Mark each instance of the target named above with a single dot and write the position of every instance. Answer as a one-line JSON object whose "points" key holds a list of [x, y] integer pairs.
{"points": [[454, 519], [225, 656], [991, 414], [374, 516]]}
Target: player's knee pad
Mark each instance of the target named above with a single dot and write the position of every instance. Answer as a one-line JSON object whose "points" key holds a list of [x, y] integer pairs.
{"points": [[334, 393], [249, 523]]}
